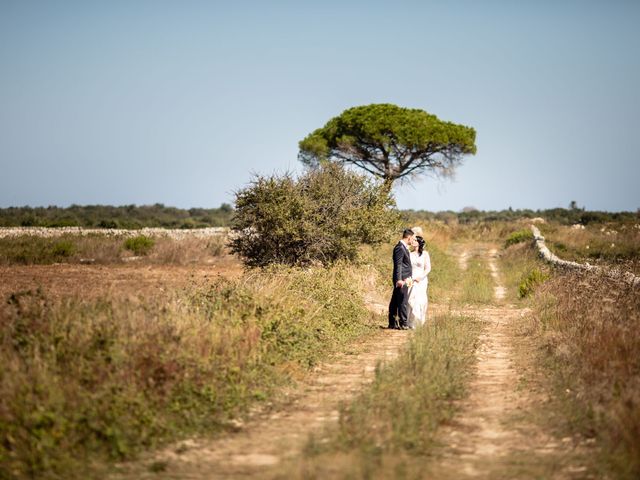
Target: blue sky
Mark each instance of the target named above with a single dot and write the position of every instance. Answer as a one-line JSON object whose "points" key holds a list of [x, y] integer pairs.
{"points": [[180, 103]]}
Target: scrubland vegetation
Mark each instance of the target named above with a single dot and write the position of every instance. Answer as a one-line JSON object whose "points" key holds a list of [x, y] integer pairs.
{"points": [[562, 216], [604, 243], [159, 215], [585, 332], [325, 215], [85, 380], [88, 381], [95, 248], [589, 327]]}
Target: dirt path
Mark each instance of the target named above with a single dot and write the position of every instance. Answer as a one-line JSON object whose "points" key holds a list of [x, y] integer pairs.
{"points": [[494, 435], [499, 291], [259, 447]]}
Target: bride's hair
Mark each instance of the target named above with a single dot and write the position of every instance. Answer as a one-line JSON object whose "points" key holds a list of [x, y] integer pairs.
{"points": [[421, 243]]}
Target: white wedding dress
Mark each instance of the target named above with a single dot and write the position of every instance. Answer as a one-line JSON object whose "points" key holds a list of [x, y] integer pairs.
{"points": [[418, 300]]}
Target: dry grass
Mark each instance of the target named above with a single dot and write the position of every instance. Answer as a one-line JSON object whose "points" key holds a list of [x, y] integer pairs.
{"points": [[443, 234], [188, 251], [517, 263], [476, 283], [389, 430], [101, 378], [101, 249], [617, 243], [590, 327]]}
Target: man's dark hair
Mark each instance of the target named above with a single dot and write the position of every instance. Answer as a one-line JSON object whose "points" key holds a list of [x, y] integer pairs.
{"points": [[407, 233]]}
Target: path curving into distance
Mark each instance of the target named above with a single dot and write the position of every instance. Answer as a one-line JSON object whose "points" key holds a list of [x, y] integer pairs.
{"points": [[492, 436]]}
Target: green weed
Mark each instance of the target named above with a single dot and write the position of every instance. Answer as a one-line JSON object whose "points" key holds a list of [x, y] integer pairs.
{"points": [[63, 248], [515, 262], [520, 236], [530, 281], [140, 244]]}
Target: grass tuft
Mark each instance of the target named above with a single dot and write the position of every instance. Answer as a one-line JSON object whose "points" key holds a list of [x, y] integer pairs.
{"points": [[530, 281], [515, 263], [139, 245], [477, 282]]}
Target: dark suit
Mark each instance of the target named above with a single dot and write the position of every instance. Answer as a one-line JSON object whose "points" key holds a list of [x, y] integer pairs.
{"points": [[401, 271]]}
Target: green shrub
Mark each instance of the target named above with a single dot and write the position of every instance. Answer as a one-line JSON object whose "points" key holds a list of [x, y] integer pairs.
{"points": [[514, 263], [558, 247], [108, 224], [27, 249], [63, 248], [517, 237], [530, 281], [322, 217], [139, 245]]}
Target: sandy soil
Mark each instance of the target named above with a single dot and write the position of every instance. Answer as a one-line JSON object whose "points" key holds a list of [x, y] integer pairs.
{"points": [[495, 435], [89, 281]]}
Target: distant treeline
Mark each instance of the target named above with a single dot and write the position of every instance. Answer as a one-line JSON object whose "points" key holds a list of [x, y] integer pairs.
{"points": [[105, 216], [565, 216], [158, 215]]}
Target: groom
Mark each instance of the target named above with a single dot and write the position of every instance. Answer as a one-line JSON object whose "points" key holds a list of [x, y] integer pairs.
{"points": [[398, 308]]}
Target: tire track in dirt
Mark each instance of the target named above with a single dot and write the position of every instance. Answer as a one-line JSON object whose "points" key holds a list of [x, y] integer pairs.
{"points": [[492, 436], [269, 439]]}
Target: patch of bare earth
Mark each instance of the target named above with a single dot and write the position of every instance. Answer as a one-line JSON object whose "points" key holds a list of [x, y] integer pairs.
{"points": [[497, 432], [90, 281], [269, 438]]}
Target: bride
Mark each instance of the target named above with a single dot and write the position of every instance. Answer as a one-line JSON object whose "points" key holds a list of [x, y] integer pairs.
{"points": [[421, 264]]}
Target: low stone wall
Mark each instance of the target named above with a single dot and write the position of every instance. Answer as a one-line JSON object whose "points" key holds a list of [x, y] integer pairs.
{"points": [[175, 233], [553, 259]]}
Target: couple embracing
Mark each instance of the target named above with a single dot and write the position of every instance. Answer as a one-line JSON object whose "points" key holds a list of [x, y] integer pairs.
{"points": [[411, 266]]}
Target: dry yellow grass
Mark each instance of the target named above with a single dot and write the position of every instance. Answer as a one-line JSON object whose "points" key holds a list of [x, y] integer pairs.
{"points": [[611, 243], [102, 375], [590, 326]]}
